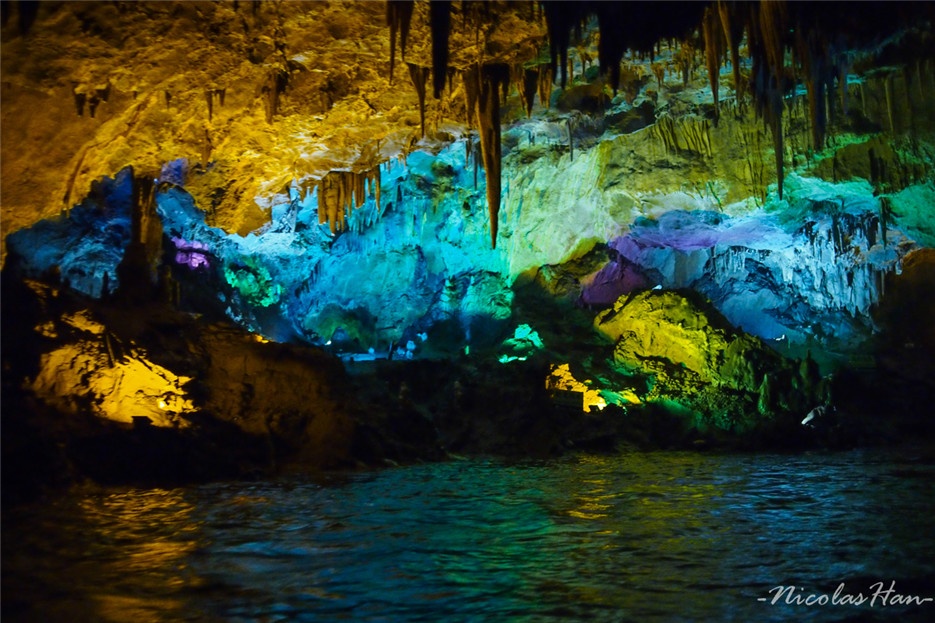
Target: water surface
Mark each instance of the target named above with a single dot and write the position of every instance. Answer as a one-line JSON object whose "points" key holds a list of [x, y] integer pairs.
{"points": [[637, 537]]}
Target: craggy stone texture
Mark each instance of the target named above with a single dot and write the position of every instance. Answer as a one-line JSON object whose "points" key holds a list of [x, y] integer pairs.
{"points": [[695, 357], [257, 124], [150, 395]]}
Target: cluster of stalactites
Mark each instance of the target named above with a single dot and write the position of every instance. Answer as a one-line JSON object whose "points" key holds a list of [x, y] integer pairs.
{"points": [[398, 17], [813, 35], [773, 29], [530, 81], [340, 192], [483, 85]]}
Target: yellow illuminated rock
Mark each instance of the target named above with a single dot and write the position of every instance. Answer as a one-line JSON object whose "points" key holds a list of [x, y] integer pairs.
{"points": [[666, 334], [560, 378], [83, 374]]}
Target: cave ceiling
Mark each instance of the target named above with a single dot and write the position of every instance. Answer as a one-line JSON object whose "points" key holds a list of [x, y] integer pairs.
{"points": [[259, 97]]}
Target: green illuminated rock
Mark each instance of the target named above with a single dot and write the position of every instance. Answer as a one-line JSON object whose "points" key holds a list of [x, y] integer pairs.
{"points": [[696, 358], [669, 335]]}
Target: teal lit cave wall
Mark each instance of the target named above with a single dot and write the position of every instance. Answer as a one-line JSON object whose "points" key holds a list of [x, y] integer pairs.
{"points": [[418, 271]]}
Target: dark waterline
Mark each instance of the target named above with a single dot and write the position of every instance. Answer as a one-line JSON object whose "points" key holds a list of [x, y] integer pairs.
{"points": [[637, 537]]}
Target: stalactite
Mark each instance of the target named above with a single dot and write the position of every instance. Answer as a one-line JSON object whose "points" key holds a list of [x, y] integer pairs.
{"points": [[659, 70], [545, 85], [470, 99], [842, 85], [80, 99], [775, 124], [474, 149], [276, 82], [683, 60], [103, 93], [733, 33], [504, 90], [766, 25], [440, 22], [210, 96], [527, 85], [888, 90], [610, 49], [207, 148], [714, 49], [340, 193], [907, 81], [398, 18], [559, 19], [812, 54], [488, 80], [772, 25], [93, 101], [420, 76]]}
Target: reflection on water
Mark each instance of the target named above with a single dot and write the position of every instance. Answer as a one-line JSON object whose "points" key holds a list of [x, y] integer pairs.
{"points": [[657, 536]]}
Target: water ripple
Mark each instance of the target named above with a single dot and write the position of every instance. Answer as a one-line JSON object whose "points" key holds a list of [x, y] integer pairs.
{"points": [[642, 537]]}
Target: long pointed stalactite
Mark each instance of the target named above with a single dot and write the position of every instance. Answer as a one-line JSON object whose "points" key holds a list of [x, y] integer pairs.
{"points": [[732, 27], [815, 65], [398, 18], [440, 21], [766, 30], [559, 19], [420, 76], [527, 82], [714, 50], [610, 50], [487, 81]]}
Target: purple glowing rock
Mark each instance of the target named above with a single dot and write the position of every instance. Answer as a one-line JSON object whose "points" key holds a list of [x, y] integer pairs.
{"points": [[615, 279], [192, 253]]}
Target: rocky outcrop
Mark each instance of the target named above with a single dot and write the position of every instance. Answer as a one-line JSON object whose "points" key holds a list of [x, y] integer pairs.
{"points": [[694, 356], [148, 395]]}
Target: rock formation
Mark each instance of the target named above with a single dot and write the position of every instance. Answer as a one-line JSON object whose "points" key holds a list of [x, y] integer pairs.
{"points": [[759, 172]]}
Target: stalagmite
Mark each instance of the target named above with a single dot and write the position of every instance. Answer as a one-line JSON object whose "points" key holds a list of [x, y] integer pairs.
{"points": [[571, 141]]}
